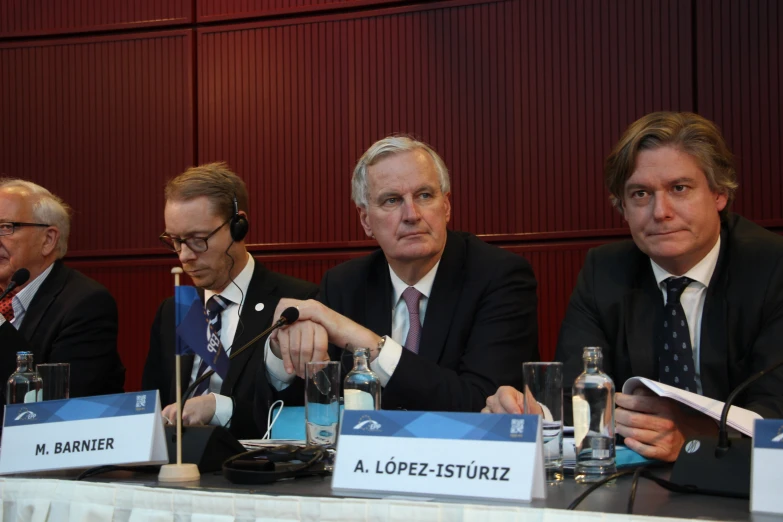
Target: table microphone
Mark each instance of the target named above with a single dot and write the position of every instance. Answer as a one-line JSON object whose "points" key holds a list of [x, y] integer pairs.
{"points": [[289, 316], [719, 466], [19, 278]]}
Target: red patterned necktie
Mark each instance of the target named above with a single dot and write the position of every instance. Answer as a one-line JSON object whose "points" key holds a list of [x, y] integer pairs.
{"points": [[6, 305]]}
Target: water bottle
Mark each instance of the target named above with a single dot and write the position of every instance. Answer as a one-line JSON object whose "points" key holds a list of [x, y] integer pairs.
{"points": [[362, 387], [24, 385], [593, 404]]}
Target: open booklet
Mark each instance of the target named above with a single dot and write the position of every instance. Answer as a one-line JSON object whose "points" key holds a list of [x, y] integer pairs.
{"points": [[739, 419]]}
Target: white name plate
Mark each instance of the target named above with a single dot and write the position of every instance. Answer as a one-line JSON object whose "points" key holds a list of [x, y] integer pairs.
{"points": [[437, 454], [766, 463], [85, 432]]}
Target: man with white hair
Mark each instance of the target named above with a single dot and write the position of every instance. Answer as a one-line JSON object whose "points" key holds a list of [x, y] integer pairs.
{"points": [[446, 316], [59, 315]]}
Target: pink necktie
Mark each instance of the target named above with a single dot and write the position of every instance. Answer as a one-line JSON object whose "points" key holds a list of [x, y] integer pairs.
{"points": [[412, 297]]}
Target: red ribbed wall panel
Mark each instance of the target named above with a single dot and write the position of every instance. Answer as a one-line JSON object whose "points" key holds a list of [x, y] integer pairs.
{"points": [[522, 98], [212, 10], [41, 17], [102, 122], [738, 65]]}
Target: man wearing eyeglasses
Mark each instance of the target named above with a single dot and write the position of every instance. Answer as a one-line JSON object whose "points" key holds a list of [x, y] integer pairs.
{"points": [[58, 314], [206, 223]]}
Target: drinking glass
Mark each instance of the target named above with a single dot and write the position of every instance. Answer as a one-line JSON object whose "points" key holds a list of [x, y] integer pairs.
{"points": [[544, 396]]}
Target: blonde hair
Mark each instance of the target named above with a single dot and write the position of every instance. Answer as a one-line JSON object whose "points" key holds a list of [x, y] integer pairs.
{"points": [[216, 182]]}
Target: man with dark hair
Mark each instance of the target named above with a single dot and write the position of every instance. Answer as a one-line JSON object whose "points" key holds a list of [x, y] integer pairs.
{"points": [[447, 317], [59, 315], [694, 301], [206, 223]]}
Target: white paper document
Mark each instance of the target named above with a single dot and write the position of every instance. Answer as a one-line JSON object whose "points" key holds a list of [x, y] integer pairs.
{"points": [[739, 419]]}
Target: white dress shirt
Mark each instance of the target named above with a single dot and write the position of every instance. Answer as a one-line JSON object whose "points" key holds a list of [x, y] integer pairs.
{"points": [[229, 321], [385, 364], [692, 299], [22, 299]]}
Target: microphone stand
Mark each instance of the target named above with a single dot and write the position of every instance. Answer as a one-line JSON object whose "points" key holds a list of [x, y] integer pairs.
{"points": [[719, 466]]}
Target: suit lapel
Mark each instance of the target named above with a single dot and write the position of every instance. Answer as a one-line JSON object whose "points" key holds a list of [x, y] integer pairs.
{"points": [[43, 299], [713, 342], [645, 312], [443, 299], [378, 296], [252, 322]]}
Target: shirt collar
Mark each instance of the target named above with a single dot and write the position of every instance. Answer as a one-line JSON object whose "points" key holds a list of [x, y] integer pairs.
{"points": [[236, 291], [424, 285], [701, 273], [25, 296]]}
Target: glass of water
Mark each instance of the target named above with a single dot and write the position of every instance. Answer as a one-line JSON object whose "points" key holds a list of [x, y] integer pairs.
{"points": [[544, 396], [322, 402]]}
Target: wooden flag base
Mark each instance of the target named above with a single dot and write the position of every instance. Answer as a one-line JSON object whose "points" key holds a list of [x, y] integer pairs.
{"points": [[178, 473]]}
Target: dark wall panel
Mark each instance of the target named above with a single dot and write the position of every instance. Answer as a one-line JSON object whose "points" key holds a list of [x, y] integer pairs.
{"points": [[522, 98], [212, 10], [42, 17], [739, 59], [102, 122]]}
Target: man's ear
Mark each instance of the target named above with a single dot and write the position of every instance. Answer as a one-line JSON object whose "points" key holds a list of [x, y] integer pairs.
{"points": [[721, 200], [447, 198], [51, 237], [364, 220]]}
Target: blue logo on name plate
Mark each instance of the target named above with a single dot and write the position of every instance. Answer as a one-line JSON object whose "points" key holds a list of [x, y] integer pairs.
{"points": [[768, 433], [440, 425], [102, 406]]}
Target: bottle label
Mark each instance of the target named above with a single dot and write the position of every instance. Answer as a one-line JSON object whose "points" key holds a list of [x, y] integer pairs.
{"points": [[33, 396], [358, 400], [581, 419]]}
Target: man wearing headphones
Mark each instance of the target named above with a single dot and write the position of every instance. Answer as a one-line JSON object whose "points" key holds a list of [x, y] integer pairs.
{"points": [[206, 223]]}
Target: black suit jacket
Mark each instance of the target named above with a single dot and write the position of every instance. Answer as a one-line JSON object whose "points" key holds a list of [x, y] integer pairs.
{"points": [[71, 319], [480, 324], [265, 287], [618, 305]]}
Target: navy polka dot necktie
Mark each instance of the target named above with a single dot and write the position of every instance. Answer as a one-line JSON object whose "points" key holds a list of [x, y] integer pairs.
{"points": [[675, 356]]}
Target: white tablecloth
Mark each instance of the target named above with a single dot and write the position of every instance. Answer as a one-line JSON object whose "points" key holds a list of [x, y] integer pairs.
{"points": [[40, 500]]}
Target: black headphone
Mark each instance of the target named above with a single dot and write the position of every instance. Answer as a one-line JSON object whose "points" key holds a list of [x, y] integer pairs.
{"points": [[267, 465], [239, 225]]}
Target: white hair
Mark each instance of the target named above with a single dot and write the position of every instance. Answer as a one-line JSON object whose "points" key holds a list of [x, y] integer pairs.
{"points": [[386, 147], [47, 209]]}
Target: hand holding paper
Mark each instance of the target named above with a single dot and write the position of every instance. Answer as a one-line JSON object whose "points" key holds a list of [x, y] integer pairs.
{"points": [[657, 427]]}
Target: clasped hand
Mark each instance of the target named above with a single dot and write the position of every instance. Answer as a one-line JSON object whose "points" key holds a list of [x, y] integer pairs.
{"points": [[309, 337]]}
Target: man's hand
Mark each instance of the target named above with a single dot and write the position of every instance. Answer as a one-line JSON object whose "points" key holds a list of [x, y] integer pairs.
{"points": [[656, 427], [298, 344], [307, 339], [197, 411], [506, 400]]}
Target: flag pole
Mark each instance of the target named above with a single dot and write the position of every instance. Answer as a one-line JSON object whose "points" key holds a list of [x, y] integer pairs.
{"points": [[178, 472]]}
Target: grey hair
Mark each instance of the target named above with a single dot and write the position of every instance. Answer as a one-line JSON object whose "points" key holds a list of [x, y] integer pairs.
{"points": [[47, 208], [386, 147]]}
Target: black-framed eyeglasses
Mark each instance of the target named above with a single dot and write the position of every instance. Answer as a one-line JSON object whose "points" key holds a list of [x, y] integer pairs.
{"points": [[195, 244], [8, 228]]}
